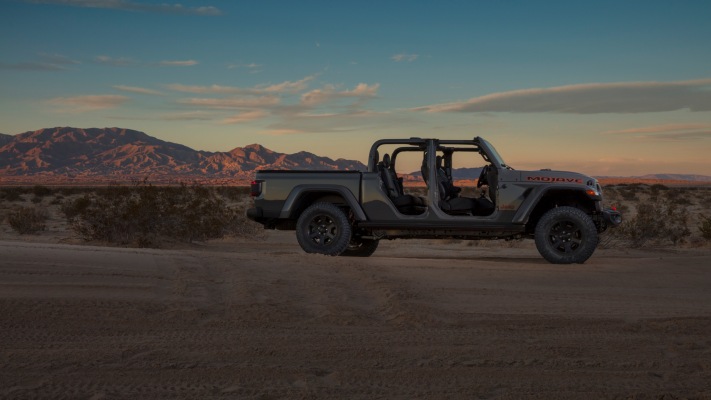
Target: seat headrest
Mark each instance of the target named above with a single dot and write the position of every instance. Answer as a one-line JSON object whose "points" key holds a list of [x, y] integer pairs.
{"points": [[386, 160]]}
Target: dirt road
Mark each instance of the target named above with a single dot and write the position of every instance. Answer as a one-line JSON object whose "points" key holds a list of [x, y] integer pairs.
{"points": [[419, 319]]}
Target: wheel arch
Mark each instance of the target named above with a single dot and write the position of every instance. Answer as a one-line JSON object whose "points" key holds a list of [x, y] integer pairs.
{"points": [[304, 195], [547, 198]]}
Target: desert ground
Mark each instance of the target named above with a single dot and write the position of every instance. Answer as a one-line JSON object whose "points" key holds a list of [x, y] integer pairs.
{"points": [[240, 318], [257, 318]]}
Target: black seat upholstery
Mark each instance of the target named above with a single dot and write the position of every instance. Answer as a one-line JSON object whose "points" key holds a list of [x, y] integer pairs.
{"points": [[405, 203], [450, 201], [450, 191]]}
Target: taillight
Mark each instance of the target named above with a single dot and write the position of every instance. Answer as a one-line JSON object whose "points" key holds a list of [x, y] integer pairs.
{"points": [[256, 188]]}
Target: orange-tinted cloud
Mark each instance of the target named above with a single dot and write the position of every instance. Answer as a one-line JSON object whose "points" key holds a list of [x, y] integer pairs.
{"points": [[88, 103]]}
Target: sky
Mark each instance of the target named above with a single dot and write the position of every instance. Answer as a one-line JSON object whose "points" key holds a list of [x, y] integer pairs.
{"points": [[614, 88]]}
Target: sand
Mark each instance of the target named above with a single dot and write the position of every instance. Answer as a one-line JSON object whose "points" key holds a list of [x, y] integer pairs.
{"points": [[420, 319]]}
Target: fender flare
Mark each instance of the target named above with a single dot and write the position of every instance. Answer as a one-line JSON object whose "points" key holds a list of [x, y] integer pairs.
{"points": [[298, 191], [527, 207]]}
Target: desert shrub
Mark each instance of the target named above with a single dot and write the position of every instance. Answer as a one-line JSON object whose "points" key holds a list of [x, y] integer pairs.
{"points": [[656, 188], [73, 208], [655, 222], [628, 194], [242, 226], [11, 194], [234, 193], [41, 191], [679, 196], [705, 226], [142, 214], [68, 191], [27, 220]]}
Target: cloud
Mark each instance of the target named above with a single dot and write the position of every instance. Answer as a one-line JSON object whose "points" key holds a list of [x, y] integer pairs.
{"points": [[186, 63], [286, 87], [188, 116], [668, 132], [404, 57], [252, 68], [45, 62], [245, 117], [299, 123], [31, 66], [116, 62], [130, 62], [139, 90], [212, 89], [88, 103], [125, 5], [330, 93], [289, 105], [593, 98], [232, 103]]}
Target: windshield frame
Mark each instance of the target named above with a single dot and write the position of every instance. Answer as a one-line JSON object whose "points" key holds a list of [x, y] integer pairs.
{"points": [[491, 152]]}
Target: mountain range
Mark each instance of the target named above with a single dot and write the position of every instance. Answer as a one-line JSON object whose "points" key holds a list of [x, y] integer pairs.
{"points": [[90, 154], [75, 155]]}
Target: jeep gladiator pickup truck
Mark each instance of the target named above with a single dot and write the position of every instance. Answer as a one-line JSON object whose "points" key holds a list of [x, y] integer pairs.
{"points": [[347, 213]]}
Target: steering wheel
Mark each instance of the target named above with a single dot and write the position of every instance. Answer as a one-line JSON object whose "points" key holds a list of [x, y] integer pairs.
{"points": [[482, 176]]}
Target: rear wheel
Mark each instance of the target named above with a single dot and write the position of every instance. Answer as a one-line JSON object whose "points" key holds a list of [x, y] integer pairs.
{"points": [[566, 235], [323, 228], [361, 247]]}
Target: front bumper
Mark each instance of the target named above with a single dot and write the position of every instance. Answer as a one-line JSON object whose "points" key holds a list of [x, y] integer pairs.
{"points": [[605, 219], [612, 217]]}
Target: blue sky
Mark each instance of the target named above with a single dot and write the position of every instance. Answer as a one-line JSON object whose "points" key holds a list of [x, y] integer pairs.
{"points": [[607, 88]]}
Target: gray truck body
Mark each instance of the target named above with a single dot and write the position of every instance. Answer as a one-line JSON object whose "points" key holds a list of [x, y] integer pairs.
{"points": [[519, 199]]}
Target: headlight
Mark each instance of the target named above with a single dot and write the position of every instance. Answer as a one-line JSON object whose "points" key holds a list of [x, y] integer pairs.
{"points": [[594, 189]]}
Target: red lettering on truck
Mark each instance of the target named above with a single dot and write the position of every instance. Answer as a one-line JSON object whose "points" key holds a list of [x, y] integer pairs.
{"points": [[551, 179]]}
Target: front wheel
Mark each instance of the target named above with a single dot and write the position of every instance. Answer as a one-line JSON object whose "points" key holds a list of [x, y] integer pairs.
{"points": [[323, 228], [566, 235]]}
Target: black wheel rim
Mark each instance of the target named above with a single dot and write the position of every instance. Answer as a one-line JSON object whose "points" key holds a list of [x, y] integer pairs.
{"points": [[565, 236], [322, 230]]}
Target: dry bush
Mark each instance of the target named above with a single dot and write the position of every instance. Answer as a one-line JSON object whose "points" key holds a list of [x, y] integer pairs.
{"points": [[241, 226], [705, 226], [628, 194], [144, 214], [655, 222], [11, 194], [27, 220], [233, 193], [41, 191]]}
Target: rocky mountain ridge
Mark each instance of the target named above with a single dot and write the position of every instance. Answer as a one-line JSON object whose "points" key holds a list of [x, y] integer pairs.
{"points": [[76, 155], [117, 152]]}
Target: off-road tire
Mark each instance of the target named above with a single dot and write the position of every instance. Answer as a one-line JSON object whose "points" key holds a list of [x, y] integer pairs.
{"points": [[323, 228], [361, 248], [566, 235]]}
